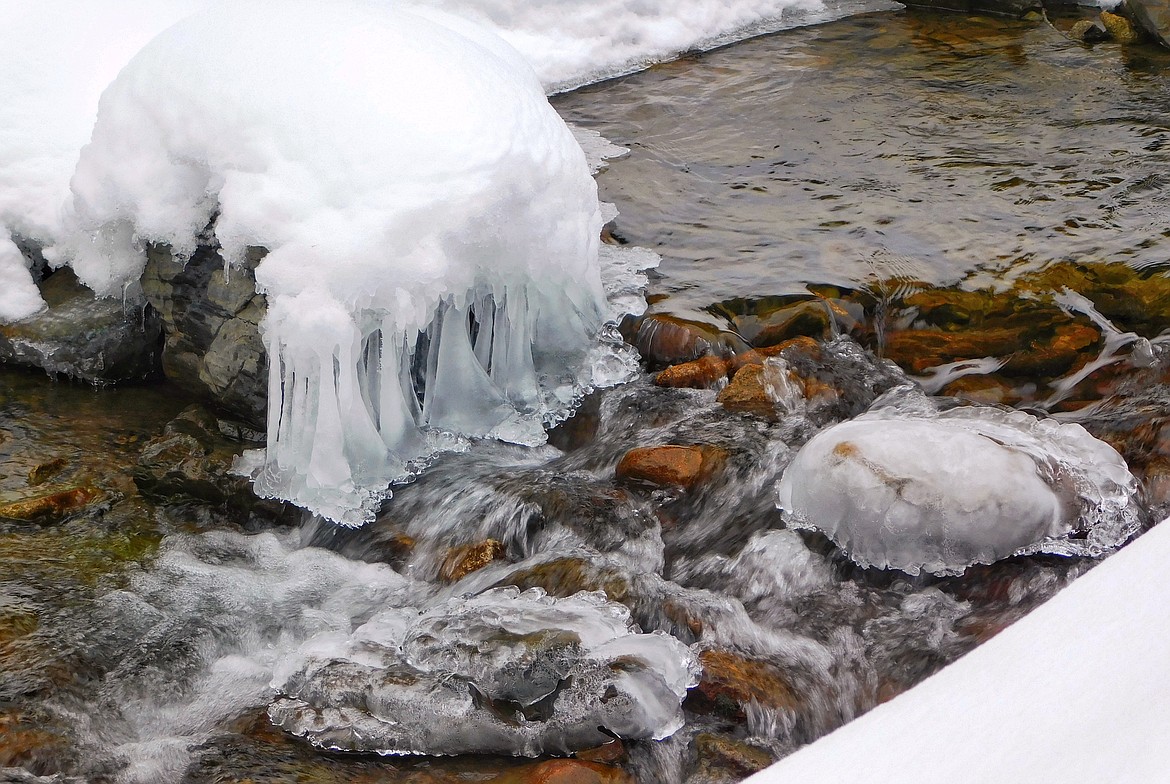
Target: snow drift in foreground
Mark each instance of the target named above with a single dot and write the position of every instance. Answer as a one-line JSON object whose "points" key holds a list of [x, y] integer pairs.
{"points": [[911, 487], [432, 226], [1089, 670]]}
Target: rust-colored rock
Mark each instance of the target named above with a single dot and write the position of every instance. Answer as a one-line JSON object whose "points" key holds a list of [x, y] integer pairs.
{"points": [[748, 394], [52, 507], [612, 752], [564, 771], [986, 389], [703, 373], [663, 339], [567, 576], [42, 473], [730, 681], [710, 371], [465, 559], [726, 757], [682, 466], [916, 350]]}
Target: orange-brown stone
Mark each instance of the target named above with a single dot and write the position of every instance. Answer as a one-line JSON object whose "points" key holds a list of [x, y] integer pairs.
{"points": [[465, 559], [748, 394], [51, 507], [730, 681], [564, 771], [683, 466]]}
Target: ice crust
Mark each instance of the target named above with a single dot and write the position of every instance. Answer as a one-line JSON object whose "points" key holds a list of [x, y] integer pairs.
{"points": [[506, 670], [916, 488]]}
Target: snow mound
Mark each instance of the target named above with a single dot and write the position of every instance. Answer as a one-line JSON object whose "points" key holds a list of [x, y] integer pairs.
{"points": [[502, 672], [56, 57], [918, 489], [432, 226]]}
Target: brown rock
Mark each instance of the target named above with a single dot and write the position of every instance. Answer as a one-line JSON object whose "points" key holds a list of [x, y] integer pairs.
{"points": [[720, 754], [710, 371], [465, 559], [567, 576], [730, 681], [684, 466], [40, 474], [748, 394], [703, 373], [986, 389], [564, 771], [612, 752], [53, 507], [1120, 29], [1088, 31], [663, 339]]}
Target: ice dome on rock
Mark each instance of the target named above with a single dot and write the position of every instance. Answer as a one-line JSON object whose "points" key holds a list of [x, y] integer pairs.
{"points": [[432, 226], [502, 672], [919, 489]]}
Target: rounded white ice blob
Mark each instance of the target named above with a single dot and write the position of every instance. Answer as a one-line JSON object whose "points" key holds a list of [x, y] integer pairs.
{"points": [[940, 491], [432, 225]]}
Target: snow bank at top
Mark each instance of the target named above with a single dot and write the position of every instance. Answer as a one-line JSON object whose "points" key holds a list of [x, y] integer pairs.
{"points": [[431, 222], [576, 42], [1076, 692], [56, 57]]}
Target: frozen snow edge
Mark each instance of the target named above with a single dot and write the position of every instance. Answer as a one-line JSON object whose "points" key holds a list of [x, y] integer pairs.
{"points": [[1076, 692]]}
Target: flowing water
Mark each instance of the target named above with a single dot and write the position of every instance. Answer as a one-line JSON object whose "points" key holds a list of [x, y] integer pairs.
{"points": [[140, 638]]}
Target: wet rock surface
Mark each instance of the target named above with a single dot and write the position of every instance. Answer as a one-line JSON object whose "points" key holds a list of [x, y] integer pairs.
{"points": [[84, 337], [1154, 18], [210, 314]]}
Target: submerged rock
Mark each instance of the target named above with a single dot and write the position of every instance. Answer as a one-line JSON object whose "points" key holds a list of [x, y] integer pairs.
{"points": [[84, 336], [918, 489], [52, 507], [502, 672]]}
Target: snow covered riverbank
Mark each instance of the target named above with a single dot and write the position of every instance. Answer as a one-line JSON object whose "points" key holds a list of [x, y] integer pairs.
{"points": [[1076, 692]]}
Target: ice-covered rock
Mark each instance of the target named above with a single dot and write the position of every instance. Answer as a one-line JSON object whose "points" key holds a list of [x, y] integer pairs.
{"points": [[920, 489], [503, 672], [432, 226]]}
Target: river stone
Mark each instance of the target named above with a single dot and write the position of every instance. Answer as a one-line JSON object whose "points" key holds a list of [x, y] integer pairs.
{"points": [[83, 336], [940, 491], [1153, 16], [211, 316]]}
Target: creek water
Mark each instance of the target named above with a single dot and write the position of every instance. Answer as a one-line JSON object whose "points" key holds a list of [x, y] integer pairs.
{"points": [[139, 638]]}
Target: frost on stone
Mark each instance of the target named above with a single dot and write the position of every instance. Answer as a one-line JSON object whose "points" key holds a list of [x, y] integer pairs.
{"points": [[431, 223], [915, 488], [19, 296], [503, 672]]}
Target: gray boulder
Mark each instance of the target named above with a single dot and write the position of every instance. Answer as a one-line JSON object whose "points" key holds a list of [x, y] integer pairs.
{"points": [[211, 316], [85, 337], [1153, 16]]}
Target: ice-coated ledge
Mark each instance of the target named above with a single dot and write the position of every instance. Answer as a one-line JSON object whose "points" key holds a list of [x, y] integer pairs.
{"points": [[1077, 692]]}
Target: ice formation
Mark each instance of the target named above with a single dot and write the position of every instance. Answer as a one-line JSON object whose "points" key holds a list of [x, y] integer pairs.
{"points": [[504, 671], [432, 226], [919, 489]]}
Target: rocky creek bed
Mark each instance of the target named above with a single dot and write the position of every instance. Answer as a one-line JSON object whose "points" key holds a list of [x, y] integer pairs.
{"points": [[970, 207]]}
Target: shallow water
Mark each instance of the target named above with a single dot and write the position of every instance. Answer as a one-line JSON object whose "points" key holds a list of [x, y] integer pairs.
{"points": [[140, 641], [931, 146]]}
